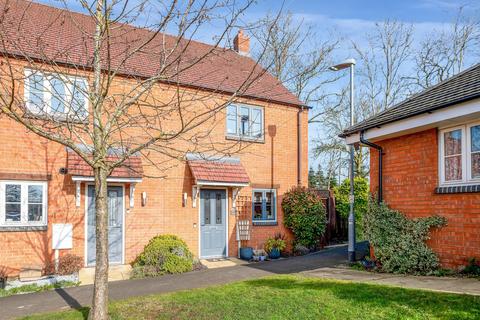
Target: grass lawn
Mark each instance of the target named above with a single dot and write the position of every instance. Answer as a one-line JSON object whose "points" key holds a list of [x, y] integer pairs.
{"points": [[292, 297]]}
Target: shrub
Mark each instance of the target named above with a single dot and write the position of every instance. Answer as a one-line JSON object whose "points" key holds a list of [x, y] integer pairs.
{"points": [[472, 268], [69, 264], [399, 242], [163, 254], [304, 215], [360, 206]]}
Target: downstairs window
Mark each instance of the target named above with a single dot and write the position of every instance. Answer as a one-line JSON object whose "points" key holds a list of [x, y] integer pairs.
{"points": [[23, 203]]}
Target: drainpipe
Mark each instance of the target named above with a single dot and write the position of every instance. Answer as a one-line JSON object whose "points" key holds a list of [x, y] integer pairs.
{"points": [[299, 146], [380, 168]]}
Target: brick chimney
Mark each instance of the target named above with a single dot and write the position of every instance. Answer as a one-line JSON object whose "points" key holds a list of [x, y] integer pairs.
{"points": [[241, 43]]}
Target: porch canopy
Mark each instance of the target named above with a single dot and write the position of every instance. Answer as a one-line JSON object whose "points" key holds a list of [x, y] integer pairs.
{"points": [[218, 172], [131, 171]]}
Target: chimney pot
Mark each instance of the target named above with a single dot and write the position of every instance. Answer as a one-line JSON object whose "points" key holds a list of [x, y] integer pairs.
{"points": [[241, 43]]}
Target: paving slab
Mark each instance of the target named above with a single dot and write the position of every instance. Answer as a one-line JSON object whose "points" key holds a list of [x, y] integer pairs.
{"points": [[440, 284]]}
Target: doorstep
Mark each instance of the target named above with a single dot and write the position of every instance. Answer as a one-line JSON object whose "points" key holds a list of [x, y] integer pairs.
{"points": [[115, 273], [222, 262]]}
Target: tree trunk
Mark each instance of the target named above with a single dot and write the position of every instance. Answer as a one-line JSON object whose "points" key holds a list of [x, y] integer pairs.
{"points": [[99, 309]]}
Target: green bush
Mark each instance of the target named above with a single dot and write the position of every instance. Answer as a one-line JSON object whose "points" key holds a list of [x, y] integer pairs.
{"points": [[163, 254], [304, 215], [398, 242], [361, 194]]}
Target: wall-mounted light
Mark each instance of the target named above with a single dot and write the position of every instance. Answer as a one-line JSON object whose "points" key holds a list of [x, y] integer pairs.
{"points": [[144, 199]]}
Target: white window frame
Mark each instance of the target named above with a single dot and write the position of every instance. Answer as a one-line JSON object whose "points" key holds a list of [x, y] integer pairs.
{"points": [[47, 93], [466, 155], [24, 204], [237, 135], [274, 204]]}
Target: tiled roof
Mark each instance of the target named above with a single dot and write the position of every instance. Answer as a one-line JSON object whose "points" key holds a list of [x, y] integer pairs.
{"points": [[46, 33], [218, 171], [460, 88], [131, 168]]}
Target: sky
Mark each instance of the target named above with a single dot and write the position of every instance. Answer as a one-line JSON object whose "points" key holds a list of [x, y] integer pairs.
{"points": [[350, 20]]}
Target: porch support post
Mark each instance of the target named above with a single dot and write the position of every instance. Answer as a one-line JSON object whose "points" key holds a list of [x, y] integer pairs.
{"points": [[132, 194]]}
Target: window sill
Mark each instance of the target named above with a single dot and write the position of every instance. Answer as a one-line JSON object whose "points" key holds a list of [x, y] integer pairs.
{"points": [[246, 139], [458, 189], [22, 228], [264, 223], [54, 117]]}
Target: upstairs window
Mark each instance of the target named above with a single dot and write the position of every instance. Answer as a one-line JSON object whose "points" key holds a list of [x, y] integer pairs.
{"points": [[245, 121], [460, 154], [56, 95], [23, 203]]}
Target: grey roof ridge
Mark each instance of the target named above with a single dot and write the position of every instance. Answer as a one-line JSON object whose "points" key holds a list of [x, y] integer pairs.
{"points": [[355, 128]]}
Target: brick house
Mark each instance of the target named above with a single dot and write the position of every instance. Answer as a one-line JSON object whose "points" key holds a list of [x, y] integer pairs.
{"points": [[430, 145], [46, 190]]}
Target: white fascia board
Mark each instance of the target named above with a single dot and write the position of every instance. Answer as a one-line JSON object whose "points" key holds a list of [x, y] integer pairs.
{"points": [[221, 184], [119, 180], [439, 118]]}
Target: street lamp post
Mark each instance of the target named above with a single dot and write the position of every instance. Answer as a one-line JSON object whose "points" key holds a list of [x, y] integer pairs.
{"points": [[350, 63]]}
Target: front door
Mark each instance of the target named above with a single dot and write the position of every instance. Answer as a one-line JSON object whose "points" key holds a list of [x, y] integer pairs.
{"points": [[115, 225], [213, 229]]}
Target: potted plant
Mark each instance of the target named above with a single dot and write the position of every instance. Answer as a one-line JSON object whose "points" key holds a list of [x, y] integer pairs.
{"points": [[3, 278], [274, 246], [259, 255]]}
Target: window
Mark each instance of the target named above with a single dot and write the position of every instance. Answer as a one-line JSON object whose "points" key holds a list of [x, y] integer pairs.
{"points": [[56, 95], [460, 155], [264, 205], [244, 121], [23, 203]]}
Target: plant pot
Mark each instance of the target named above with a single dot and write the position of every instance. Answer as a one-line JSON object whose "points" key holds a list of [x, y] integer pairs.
{"points": [[274, 253], [3, 283], [246, 253]]}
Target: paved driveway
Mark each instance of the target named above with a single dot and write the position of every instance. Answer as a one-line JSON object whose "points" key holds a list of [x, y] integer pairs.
{"points": [[61, 299]]}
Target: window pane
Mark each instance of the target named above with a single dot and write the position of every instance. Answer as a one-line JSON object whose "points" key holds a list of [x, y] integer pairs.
{"points": [[13, 193], [58, 95], [453, 142], [35, 212], [257, 205], [256, 122], [232, 120], [35, 92], [269, 205], [218, 209], [79, 100], [475, 136], [476, 165], [453, 168], [206, 209], [12, 212], [35, 194], [244, 121]]}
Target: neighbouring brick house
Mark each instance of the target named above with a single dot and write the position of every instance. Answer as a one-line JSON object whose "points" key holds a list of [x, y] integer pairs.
{"points": [[430, 146], [43, 184]]}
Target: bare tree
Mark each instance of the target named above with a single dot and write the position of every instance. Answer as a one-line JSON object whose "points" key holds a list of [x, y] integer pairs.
{"points": [[138, 84], [291, 51], [444, 53]]}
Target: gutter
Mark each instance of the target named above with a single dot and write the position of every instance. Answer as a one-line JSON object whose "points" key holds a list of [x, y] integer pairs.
{"points": [[380, 163]]}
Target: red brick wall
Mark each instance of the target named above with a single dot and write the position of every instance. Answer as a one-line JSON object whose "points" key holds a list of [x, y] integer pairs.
{"points": [[410, 175], [273, 161]]}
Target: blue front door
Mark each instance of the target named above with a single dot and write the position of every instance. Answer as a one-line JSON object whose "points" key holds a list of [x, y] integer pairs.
{"points": [[213, 208], [115, 225]]}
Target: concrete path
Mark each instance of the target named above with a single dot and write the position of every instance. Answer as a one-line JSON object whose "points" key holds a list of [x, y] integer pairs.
{"points": [[441, 284], [62, 299]]}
